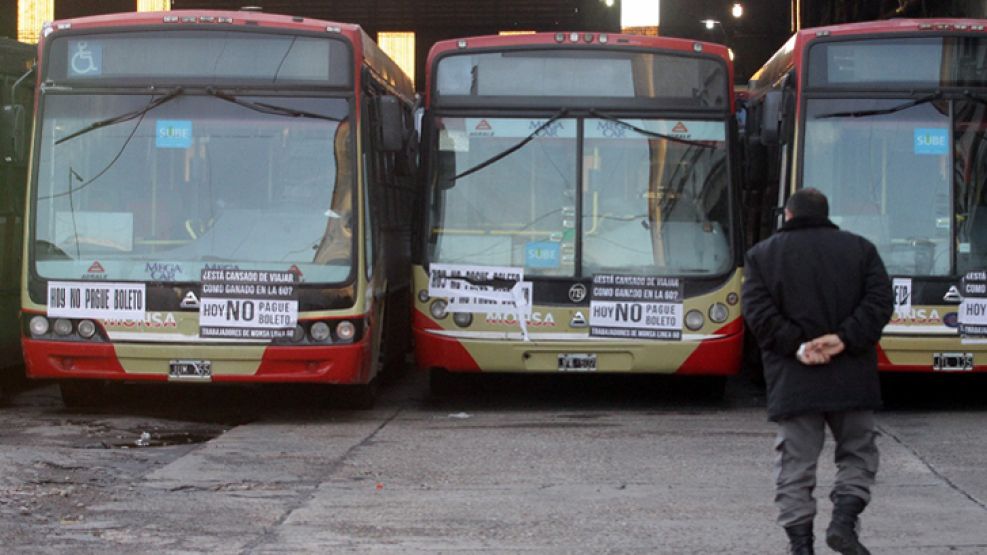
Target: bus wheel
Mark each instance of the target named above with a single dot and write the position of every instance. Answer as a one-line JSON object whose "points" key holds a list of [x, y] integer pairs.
{"points": [[82, 393], [359, 396]]}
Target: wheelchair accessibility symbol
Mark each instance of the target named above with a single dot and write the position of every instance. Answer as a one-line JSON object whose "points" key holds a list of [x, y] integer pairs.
{"points": [[85, 59]]}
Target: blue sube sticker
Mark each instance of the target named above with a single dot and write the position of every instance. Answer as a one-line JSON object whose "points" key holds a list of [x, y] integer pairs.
{"points": [[931, 140], [173, 133], [543, 254]]}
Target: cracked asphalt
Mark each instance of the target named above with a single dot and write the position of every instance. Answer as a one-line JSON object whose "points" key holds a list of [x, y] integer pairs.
{"points": [[560, 464]]}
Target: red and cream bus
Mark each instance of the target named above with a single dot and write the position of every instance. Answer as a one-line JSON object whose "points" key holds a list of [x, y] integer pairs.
{"points": [[216, 197], [580, 213], [889, 120]]}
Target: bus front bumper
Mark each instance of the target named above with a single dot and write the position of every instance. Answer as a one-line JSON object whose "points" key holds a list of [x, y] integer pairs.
{"points": [[904, 353], [335, 364], [719, 356]]}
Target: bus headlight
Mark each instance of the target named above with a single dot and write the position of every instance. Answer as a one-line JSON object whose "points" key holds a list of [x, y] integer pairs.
{"points": [[298, 334], [694, 320], [345, 331], [719, 313], [438, 309], [423, 296], [319, 331], [63, 326], [462, 319], [87, 329], [39, 325]]}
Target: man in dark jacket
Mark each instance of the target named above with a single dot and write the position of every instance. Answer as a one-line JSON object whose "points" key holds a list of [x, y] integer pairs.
{"points": [[816, 299]]}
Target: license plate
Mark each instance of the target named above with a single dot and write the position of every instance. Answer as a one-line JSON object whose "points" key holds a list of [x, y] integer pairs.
{"points": [[952, 362], [577, 362], [190, 370]]}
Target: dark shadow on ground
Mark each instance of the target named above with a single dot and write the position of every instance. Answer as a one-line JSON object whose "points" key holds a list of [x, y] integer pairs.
{"points": [[515, 392], [938, 392]]}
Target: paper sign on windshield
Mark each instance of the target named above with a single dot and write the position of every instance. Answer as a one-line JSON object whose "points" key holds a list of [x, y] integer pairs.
{"points": [[97, 300], [902, 288], [248, 304], [636, 307]]}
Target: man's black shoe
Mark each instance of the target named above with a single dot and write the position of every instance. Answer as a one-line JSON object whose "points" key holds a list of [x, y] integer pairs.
{"points": [[800, 539], [841, 535]]}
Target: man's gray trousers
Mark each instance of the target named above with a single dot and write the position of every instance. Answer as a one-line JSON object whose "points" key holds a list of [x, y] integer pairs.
{"points": [[797, 447]]}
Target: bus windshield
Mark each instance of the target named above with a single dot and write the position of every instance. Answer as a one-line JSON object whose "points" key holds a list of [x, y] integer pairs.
{"points": [[503, 213], [195, 183], [653, 206], [887, 178], [648, 205]]}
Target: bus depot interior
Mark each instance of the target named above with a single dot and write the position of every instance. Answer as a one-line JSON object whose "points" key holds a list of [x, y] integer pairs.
{"points": [[193, 205]]}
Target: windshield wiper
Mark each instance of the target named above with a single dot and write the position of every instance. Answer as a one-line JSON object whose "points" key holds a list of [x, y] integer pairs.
{"points": [[884, 111], [270, 109], [645, 132], [154, 103], [505, 153]]}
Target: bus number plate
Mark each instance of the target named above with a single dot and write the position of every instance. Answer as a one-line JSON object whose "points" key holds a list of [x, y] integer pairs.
{"points": [[191, 370], [577, 362], [952, 362]]}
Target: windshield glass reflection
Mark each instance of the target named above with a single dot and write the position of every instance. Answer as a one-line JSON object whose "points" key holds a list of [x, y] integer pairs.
{"points": [[887, 178], [194, 183]]}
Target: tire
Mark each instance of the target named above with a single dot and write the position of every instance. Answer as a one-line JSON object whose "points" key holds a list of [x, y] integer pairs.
{"points": [[82, 393]]}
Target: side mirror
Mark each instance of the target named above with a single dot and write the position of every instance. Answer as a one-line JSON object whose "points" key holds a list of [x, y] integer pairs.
{"points": [[787, 125], [445, 163], [419, 115], [770, 117], [12, 132], [390, 124]]}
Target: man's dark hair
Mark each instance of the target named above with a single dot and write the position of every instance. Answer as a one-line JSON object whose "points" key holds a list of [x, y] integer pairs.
{"points": [[808, 203]]}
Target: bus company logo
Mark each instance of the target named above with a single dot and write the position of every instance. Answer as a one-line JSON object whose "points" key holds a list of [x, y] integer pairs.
{"points": [[578, 320], [577, 293], [190, 300], [680, 128], [917, 316], [151, 320], [537, 319]]}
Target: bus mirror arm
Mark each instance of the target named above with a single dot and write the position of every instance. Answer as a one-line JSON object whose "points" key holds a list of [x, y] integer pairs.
{"points": [[13, 125], [12, 130], [21, 79], [771, 115], [390, 124]]}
